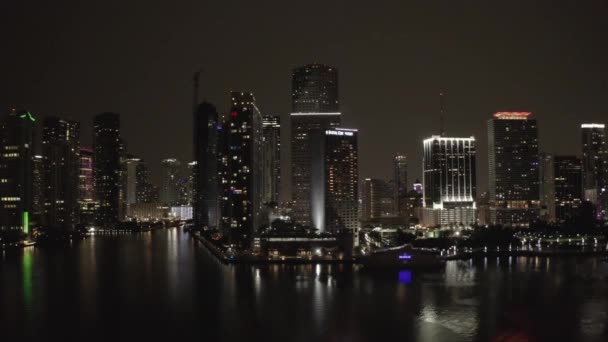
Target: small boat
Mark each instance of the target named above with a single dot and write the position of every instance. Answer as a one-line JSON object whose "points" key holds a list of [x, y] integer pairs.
{"points": [[407, 257]]}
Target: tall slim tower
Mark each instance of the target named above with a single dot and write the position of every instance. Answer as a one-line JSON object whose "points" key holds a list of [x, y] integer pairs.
{"points": [[131, 179], [271, 131], [400, 184], [241, 183], [107, 171], [315, 108], [205, 166], [16, 138], [37, 190], [335, 180], [595, 166], [61, 152], [547, 170], [87, 203], [513, 169]]}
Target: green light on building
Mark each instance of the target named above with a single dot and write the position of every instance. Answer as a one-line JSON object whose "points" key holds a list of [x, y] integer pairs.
{"points": [[26, 222], [28, 115]]}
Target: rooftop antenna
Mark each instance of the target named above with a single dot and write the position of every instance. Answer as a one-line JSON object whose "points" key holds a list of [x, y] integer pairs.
{"points": [[441, 113]]}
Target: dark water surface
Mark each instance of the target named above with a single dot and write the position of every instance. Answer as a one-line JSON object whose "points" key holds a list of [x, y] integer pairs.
{"points": [[163, 285]]}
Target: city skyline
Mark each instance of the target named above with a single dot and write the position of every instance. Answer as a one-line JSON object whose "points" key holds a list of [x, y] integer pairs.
{"points": [[520, 77], [309, 171]]}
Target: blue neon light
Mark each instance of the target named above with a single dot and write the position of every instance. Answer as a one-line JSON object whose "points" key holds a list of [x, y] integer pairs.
{"points": [[404, 257]]}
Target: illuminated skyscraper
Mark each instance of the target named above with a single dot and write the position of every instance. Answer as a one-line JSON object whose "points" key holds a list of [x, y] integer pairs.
{"points": [[377, 199], [16, 131], [400, 184], [595, 166], [449, 181], [107, 171], [335, 179], [271, 128], [568, 172], [86, 183], [315, 107], [131, 179], [86, 187], [61, 153], [37, 190], [315, 89], [547, 187], [169, 181], [205, 190], [145, 192], [241, 183], [513, 169]]}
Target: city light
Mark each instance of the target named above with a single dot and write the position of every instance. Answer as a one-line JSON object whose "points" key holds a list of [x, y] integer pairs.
{"points": [[512, 115], [592, 125]]}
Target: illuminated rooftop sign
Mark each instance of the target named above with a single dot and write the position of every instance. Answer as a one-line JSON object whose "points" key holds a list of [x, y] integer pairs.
{"points": [[592, 125], [341, 131], [512, 115], [313, 114]]}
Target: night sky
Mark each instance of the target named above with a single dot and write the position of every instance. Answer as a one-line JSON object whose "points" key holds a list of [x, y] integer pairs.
{"points": [[79, 58]]}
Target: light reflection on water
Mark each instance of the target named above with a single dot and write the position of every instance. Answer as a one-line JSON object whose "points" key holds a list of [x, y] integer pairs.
{"points": [[164, 277]]}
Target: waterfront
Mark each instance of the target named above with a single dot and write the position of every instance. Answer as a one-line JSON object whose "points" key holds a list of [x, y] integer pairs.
{"points": [[163, 284]]}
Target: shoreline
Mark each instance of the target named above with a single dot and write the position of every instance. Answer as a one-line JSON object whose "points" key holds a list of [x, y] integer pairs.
{"points": [[519, 253], [256, 260], [460, 256]]}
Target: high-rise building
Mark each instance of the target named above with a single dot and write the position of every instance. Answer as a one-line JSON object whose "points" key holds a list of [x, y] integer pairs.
{"points": [[144, 191], [184, 193], [595, 166], [271, 132], [449, 181], [335, 180], [315, 107], [400, 184], [513, 169], [568, 173], [37, 190], [205, 191], [315, 89], [16, 139], [107, 167], [86, 187], [61, 153], [241, 169], [131, 164], [377, 199], [547, 187], [190, 173], [169, 181], [86, 183]]}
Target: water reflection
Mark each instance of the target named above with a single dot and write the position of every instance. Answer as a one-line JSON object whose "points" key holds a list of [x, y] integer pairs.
{"points": [[164, 281], [405, 277], [28, 256]]}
